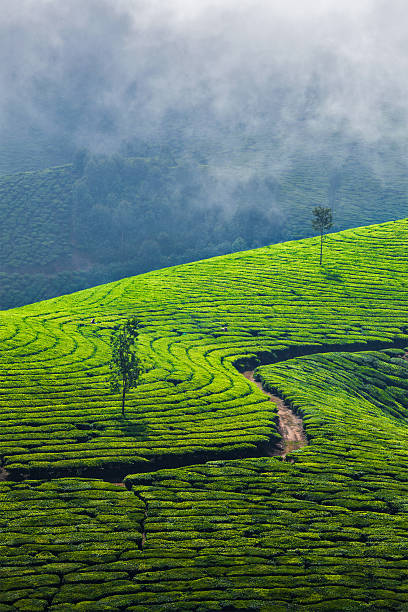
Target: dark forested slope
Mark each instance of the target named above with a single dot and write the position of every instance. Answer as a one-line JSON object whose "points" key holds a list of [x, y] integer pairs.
{"points": [[103, 218]]}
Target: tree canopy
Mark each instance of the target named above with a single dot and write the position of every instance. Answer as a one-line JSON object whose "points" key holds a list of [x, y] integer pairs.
{"points": [[125, 365]]}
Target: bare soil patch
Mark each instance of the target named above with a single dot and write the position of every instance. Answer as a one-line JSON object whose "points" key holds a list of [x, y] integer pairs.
{"points": [[290, 425]]}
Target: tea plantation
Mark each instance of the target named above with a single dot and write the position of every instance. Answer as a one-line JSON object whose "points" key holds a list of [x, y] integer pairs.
{"points": [[208, 520]]}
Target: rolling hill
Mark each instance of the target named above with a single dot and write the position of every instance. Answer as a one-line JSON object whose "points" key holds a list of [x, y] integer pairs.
{"points": [[209, 520]]}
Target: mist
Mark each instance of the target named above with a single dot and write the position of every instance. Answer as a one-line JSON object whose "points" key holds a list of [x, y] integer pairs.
{"points": [[195, 128], [96, 73]]}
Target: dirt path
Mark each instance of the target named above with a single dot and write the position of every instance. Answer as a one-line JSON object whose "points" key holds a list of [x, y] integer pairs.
{"points": [[290, 425]]}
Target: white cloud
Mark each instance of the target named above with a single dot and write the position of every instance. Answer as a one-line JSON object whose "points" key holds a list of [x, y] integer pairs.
{"points": [[83, 65]]}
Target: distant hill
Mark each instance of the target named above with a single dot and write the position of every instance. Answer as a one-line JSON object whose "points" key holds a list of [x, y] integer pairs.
{"points": [[104, 218]]}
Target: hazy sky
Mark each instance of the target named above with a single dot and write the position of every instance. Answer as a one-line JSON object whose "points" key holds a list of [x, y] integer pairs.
{"points": [[103, 70]]}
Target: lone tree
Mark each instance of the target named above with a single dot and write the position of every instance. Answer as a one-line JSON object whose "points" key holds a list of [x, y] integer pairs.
{"points": [[322, 221], [125, 365]]}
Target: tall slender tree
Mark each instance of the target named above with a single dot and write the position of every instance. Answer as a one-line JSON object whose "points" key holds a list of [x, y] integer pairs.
{"points": [[322, 221], [125, 365]]}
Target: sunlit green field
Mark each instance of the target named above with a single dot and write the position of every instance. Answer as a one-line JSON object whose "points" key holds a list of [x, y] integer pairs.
{"points": [[207, 521]]}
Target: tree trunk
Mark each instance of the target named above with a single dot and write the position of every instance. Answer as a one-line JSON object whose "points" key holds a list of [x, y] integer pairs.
{"points": [[321, 248], [123, 400]]}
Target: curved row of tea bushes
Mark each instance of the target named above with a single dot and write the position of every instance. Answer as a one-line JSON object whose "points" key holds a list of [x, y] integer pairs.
{"points": [[352, 404], [57, 413], [268, 535], [325, 530], [74, 423]]}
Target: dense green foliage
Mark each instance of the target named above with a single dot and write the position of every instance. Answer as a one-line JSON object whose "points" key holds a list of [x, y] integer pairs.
{"points": [[341, 391], [125, 364], [66, 539], [103, 218], [324, 530]]}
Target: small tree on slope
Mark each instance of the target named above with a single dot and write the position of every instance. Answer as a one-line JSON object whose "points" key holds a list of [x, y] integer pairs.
{"points": [[322, 221], [125, 365]]}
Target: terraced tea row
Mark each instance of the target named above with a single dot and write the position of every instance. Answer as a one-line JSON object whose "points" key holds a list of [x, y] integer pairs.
{"points": [[66, 540], [353, 405], [265, 535], [327, 532], [59, 418], [62, 418]]}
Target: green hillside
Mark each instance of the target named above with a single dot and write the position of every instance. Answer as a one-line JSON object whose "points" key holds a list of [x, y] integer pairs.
{"points": [[208, 519], [103, 218]]}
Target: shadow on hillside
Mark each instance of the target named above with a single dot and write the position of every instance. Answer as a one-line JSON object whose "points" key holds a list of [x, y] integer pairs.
{"points": [[331, 274], [138, 430]]}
